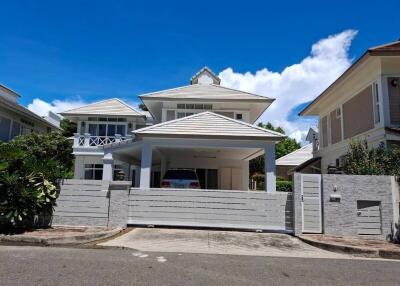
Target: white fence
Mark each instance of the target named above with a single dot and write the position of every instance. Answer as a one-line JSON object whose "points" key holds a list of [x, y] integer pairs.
{"points": [[211, 208]]}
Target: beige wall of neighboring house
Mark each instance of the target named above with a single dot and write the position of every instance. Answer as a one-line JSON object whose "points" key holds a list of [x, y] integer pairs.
{"points": [[363, 103]]}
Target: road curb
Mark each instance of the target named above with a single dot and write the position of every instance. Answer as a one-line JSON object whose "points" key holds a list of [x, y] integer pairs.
{"points": [[66, 240], [363, 251]]}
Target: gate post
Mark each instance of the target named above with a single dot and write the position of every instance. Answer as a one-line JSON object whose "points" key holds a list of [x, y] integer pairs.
{"points": [[118, 207], [297, 212]]}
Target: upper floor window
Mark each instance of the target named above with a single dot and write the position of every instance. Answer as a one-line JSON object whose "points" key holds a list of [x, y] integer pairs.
{"points": [[194, 106], [107, 119], [377, 115], [106, 129]]}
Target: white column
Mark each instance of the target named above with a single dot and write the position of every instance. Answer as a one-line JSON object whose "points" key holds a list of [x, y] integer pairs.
{"points": [[108, 165], [245, 175], [269, 161], [145, 171]]}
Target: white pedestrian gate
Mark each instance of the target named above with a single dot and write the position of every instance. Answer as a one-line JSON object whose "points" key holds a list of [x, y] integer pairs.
{"points": [[311, 203]]}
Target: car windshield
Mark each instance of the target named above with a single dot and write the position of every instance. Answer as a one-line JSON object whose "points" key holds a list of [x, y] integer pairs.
{"points": [[180, 175]]}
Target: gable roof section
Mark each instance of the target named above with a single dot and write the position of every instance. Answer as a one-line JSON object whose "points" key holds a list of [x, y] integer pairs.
{"points": [[205, 70], [112, 106], [390, 49], [204, 92], [297, 157], [209, 124]]}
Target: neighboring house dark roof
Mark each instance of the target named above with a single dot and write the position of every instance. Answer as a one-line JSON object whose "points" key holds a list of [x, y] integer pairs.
{"points": [[14, 106], [390, 49]]}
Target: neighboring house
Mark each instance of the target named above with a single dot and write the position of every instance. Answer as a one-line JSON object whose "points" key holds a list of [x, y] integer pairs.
{"points": [[286, 164], [17, 120], [201, 126], [363, 103]]}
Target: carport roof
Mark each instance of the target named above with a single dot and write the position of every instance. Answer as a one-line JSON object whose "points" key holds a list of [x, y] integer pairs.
{"points": [[209, 124]]}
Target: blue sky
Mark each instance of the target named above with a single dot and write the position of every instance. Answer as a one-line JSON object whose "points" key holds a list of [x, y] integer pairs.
{"points": [[90, 50]]}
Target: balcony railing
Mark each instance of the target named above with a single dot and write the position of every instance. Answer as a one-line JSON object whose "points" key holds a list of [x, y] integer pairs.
{"points": [[92, 141]]}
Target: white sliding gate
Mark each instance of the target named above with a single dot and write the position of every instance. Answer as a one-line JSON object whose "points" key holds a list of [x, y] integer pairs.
{"points": [[311, 203], [255, 210]]}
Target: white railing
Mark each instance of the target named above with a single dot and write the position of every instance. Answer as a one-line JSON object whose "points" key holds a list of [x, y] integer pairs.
{"points": [[87, 140]]}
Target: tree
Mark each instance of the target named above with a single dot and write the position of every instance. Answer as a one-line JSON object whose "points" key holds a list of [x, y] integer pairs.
{"points": [[361, 160], [143, 107], [68, 127], [283, 148]]}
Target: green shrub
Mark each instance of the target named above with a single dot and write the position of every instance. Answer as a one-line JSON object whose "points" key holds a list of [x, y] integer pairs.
{"points": [[284, 186], [361, 160], [281, 184], [30, 166]]}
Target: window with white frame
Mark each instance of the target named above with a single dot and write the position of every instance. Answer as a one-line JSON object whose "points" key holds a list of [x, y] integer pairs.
{"points": [[106, 129], [194, 106], [377, 115], [93, 171]]}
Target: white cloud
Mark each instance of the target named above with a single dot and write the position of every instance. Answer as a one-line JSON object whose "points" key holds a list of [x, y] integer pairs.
{"points": [[298, 83], [42, 108]]}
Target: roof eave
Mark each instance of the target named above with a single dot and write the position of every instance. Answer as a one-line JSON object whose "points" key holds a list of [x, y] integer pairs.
{"points": [[209, 136], [269, 100], [308, 109]]}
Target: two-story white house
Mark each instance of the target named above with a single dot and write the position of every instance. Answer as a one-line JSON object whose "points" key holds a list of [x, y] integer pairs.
{"points": [[202, 126], [363, 103]]}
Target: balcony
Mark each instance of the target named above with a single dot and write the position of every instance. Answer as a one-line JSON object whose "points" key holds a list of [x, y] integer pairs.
{"points": [[87, 140]]}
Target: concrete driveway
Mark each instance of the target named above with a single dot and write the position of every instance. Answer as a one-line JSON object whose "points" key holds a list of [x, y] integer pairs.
{"points": [[217, 242]]}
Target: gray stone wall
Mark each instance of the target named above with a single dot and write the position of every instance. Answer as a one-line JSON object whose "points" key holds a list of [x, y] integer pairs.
{"points": [[92, 203], [340, 217], [118, 211]]}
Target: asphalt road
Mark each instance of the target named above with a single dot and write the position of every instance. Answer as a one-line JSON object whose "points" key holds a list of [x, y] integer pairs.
{"points": [[24, 265]]}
